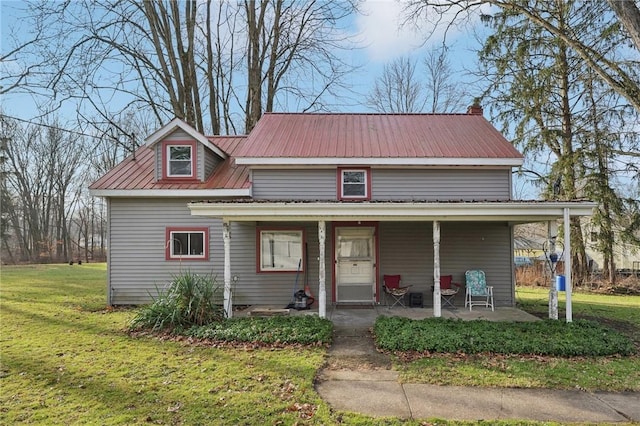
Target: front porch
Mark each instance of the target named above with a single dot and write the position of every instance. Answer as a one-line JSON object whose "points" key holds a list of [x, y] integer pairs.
{"points": [[364, 316], [356, 244]]}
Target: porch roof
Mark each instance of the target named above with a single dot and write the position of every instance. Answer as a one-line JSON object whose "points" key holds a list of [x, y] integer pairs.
{"points": [[516, 211]]}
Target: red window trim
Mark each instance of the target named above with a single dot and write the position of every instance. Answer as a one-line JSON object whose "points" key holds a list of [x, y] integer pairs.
{"points": [[367, 175], [259, 229], [167, 244], [194, 161]]}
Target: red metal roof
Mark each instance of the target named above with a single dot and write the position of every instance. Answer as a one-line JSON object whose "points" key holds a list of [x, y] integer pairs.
{"points": [[139, 173], [318, 135], [348, 135]]}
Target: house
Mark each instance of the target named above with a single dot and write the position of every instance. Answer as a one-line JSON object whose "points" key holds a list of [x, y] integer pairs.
{"points": [[336, 199], [626, 255]]}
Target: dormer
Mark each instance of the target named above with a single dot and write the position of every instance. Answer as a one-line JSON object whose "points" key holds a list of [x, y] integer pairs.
{"points": [[182, 154]]}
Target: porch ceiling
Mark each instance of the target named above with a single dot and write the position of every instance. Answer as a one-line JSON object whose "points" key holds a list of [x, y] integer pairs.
{"points": [[392, 211]]}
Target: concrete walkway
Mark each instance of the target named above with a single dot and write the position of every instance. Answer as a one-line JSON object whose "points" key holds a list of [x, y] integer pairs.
{"points": [[359, 379]]}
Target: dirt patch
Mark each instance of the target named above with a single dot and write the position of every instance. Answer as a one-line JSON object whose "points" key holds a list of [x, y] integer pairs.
{"points": [[366, 362], [356, 351]]}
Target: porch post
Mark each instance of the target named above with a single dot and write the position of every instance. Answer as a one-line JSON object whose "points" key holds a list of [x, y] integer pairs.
{"points": [[437, 311], [322, 292], [226, 238], [567, 264]]}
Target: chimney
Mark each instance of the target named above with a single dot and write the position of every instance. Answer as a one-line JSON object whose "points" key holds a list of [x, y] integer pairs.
{"points": [[476, 108]]}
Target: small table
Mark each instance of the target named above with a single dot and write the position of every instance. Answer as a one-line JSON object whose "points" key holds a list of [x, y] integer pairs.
{"points": [[448, 297]]}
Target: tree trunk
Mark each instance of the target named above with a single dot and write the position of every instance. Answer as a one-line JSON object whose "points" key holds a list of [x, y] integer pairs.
{"points": [[628, 13]]}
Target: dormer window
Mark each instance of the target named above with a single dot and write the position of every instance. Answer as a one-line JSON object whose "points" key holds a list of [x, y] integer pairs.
{"points": [[179, 163], [179, 160], [354, 184]]}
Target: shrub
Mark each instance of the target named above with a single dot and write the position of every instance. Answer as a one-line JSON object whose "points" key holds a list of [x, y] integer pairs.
{"points": [[549, 337], [305, 329], [190, 299]]}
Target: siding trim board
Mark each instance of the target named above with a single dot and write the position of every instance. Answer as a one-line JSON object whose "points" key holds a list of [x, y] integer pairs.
{"points": [[364, 161], [170, 193], [391, 211]]}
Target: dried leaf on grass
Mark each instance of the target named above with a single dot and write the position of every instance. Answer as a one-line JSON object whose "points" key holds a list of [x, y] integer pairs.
{"points": [[306, 411], [174, 408]]}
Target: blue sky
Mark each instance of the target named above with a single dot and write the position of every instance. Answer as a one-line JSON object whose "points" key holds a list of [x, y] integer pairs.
{"points": [[378, 28]]}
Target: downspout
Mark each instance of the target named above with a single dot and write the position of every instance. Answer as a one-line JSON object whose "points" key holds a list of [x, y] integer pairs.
{"points": [[226, 238], [108, 234]]}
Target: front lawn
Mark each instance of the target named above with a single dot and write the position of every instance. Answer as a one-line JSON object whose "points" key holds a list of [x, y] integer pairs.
{"points": [[606, 373], [65, 359]]}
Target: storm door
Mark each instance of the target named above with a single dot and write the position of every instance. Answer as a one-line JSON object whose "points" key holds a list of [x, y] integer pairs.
{"points": [[355, 264]]}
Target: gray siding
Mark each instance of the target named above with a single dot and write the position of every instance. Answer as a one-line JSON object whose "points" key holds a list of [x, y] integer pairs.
{"points": [[273, 288], [440, 184], [137, 264], [137, 247], [407, 249], [211, 160], [386, 184], [297, 184], [158, 150]]}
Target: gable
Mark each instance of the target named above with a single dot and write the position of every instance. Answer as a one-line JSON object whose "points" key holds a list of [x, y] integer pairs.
{"points": [[177, 125], [136, 176]]}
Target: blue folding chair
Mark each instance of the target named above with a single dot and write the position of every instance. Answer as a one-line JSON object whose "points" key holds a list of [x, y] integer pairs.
{"points": [[476, 283]]}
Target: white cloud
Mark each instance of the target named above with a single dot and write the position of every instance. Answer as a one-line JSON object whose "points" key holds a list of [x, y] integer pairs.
{"points": [[379, 27]]}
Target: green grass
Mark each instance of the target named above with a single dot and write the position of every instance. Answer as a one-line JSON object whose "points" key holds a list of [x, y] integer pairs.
{"points": [[65, 359], [619, 311], [614, 373]]}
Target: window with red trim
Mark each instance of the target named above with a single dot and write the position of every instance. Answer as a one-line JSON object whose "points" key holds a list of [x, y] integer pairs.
{"points": [[179, 160], [354, 184], [280, 250], [187, 243]]}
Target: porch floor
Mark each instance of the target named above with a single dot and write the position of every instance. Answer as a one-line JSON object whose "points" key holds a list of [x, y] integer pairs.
{"points": [[364, 316]]}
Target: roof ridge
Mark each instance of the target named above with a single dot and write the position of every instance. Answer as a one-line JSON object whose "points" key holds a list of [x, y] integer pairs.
{"points": [[374, 113]]}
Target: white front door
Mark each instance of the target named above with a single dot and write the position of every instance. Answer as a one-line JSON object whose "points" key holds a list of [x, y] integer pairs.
{"points": [[355, 264]]}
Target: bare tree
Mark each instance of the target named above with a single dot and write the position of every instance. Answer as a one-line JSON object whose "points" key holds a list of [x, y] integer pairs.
{"points": [[216, 64], [41, 172], [403, 87], [629, 15], [444, 92], [398, 89]]}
